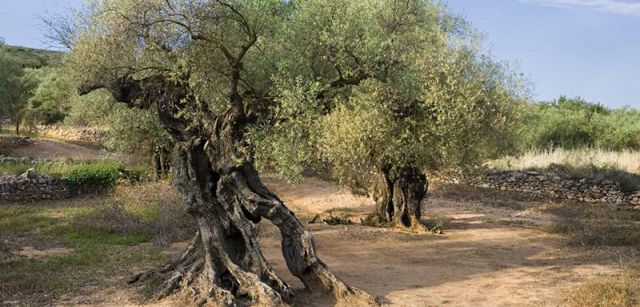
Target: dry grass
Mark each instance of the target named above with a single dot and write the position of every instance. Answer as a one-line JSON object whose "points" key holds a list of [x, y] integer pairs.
{"points": [[160, 207], [627, 161], [598, 232], [153, 208], [611, 291]]}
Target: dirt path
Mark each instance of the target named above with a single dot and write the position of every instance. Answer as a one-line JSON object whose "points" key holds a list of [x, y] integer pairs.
{"points": [[55, 150]]}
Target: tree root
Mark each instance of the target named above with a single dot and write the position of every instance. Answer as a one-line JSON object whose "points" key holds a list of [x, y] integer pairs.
{"points": [[191, 275]]}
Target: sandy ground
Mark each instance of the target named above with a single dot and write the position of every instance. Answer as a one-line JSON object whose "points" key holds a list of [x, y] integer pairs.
{"points": [[480, 260], [55, 150], [486, 256]]}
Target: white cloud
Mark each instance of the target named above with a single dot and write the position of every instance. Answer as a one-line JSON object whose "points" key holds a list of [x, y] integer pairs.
{"points": [[611, 6]]}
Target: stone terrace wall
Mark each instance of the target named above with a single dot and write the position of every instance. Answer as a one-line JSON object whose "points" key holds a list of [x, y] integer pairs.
{"points": [[555, 185], [95, 136], [14, 141], [29, 187]]}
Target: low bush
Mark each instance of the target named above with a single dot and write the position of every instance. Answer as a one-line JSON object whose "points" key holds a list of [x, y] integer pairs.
{"points": [[78, 175], [92, 176]]}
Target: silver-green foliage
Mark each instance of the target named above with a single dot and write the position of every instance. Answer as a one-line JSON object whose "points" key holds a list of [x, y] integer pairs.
{"points": [[351, 86], [402, 84]]}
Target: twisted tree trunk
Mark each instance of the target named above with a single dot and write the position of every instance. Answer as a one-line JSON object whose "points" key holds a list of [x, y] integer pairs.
{"points": [[223, 264], [399, 198]]}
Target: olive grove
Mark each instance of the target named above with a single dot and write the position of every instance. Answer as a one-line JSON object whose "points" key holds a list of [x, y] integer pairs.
{"points": [[369, 89]]}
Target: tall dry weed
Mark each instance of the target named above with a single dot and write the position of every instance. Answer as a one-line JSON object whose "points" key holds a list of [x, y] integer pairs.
{"points": [[627, 161]]}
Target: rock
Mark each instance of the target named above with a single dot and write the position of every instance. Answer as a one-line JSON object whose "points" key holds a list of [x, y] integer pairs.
{"points": [[30, 174], [591, 190]]}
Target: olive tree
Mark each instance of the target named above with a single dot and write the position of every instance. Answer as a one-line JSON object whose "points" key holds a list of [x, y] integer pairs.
{"points": [[204, 67], [382, 92]]}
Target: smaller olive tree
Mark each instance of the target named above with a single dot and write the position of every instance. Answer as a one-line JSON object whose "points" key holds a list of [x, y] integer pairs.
{"points": [[384, 139], [385, 91]]}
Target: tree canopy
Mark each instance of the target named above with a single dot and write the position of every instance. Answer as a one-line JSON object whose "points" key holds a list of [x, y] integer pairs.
{"points": [[357, 85]]}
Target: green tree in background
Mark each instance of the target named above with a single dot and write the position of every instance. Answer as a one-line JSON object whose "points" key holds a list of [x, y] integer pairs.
{"points": [[13, 93], [574, 123], [50, 99]]}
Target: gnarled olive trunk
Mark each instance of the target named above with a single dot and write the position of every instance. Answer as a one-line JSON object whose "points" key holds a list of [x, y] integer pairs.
{"points": [[399, 198], [223, 264]]}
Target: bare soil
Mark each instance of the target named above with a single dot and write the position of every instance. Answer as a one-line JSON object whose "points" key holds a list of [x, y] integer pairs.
{"points": [[43, 148], [487, 256]]}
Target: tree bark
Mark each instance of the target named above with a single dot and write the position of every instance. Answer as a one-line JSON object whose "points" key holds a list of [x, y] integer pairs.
{"points": [[399, 199], [224, 265]]}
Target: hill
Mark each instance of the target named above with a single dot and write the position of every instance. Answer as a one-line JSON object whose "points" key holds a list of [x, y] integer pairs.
{"points": [[32, 57]]}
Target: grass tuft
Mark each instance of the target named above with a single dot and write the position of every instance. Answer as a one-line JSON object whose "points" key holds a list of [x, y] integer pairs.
{"points": [[621, 290]]}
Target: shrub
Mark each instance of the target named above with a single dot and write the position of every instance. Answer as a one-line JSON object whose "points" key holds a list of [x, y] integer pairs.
{"points": [[575, 123], [92, 176]]}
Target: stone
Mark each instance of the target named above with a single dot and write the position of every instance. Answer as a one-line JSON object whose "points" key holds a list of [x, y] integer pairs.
{"points": [[30, 174]]}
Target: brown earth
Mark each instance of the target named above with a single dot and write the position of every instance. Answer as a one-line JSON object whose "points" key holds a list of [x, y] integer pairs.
{"points": [[42, 148], [487, 256]]}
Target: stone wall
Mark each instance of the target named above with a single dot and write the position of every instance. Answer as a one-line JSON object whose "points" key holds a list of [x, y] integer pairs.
{"points": [[29, 187], [14, 141], [556, 185], [95, 136]]}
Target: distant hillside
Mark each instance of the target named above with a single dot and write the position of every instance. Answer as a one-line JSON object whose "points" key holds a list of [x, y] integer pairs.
{"points": [[33, 58]]}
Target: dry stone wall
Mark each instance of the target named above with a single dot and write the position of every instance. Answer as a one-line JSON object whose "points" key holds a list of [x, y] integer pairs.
{"points": [[95, 136], [555, 185], [14, 141], [30, 186]]}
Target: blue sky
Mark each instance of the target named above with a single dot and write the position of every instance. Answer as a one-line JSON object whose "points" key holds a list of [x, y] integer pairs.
{"points": [[587, 48]]}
